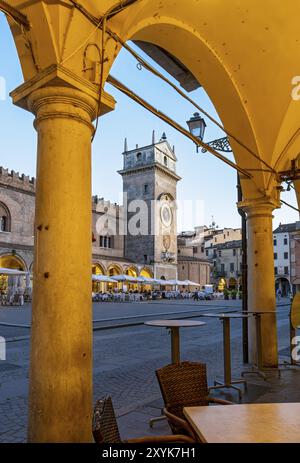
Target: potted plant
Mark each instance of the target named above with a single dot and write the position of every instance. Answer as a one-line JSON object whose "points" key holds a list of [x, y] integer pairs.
{"points": [[226, 294]]}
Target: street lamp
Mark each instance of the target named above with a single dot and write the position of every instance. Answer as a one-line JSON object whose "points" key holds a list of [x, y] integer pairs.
{"points": [[197, 126]]}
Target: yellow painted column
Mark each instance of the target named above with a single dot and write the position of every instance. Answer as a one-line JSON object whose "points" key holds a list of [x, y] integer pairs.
{"points": [[261, 279], [60, 396]]}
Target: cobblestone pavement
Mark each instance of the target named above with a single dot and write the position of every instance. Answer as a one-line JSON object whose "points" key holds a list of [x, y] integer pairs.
{"points": [[124, 362]]}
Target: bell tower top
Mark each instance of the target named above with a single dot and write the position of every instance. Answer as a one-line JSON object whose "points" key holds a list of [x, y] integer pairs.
{"points": [[158, 153]]}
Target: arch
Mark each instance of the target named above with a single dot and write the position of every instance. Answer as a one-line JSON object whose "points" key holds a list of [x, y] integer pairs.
{"points": [[170, 30], [207, 46], [131, 271], [222, 284], [146, 272], [165, 197], [284, 285], [98, 269], [5, 218], [13, 261], [114, 269]]}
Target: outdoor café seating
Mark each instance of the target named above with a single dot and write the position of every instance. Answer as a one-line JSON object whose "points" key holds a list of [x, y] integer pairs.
{"points": [[105, 427], [184, 385]]}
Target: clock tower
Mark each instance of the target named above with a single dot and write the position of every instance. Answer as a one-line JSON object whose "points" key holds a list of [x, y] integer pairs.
{"points": [[149, 188]]}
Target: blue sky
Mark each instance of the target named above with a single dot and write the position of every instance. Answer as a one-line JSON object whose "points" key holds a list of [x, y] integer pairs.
{"points": [[204, 178]]}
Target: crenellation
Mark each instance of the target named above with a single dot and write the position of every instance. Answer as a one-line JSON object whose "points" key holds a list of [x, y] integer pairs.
{"points": [[102, 205], [15, 180]]}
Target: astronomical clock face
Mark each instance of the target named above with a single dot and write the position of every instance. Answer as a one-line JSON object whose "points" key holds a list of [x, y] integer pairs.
{"points": [[166, 215]]}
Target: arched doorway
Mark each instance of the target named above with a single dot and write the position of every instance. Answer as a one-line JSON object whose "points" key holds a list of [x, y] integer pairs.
{"points": [[222, 284], [132, 272], [12, 262], [114, 270], [147, 273], [97, 286], [284, 285]]}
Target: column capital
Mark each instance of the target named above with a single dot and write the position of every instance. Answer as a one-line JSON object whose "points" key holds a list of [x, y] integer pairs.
{"points": [[58, 82], [259, 207]]}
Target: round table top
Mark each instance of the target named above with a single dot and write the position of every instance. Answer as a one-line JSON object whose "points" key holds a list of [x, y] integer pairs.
{"points": [[226, 315], [175, 323]]}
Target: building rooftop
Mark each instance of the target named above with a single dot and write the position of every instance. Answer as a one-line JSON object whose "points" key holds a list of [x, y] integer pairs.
{"points": [[286, 228], [227, 245]]}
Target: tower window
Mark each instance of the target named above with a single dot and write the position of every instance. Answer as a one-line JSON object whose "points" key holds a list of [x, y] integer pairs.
{"points": [[165, 160], [146, 189], [139, 157], [4, 218]]}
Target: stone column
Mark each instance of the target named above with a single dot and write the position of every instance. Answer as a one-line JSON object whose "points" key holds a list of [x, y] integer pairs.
{"points": [[60, 391], [261, 279]]}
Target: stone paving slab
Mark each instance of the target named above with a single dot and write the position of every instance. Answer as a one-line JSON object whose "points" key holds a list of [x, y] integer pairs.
{"points": [[124, 367]]}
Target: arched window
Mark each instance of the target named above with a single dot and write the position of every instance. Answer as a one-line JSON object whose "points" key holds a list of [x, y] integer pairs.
{"points": [[4, 218], [165, 160], [139, 157]]}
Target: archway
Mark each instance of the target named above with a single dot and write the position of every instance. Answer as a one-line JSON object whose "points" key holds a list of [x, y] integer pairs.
{"points": [[114, 270], [132, 272], [11, 262], [222, 285], [146, 272], [97, 286], [242, 88], [283, 285]]}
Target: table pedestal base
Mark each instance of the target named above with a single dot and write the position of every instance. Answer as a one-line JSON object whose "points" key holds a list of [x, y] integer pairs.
{"points": [[219, 385], [255, 370]]}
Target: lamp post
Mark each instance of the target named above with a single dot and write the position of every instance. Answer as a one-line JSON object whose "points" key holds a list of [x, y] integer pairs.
{"points": [[197, 125]]}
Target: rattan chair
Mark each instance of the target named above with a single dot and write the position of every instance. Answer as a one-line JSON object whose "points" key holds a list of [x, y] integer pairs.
{"points": [[106, 431], [184, 385]]}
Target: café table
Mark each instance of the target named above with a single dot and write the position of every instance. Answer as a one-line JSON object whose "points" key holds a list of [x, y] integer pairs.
{"points": [[228, 382], [246, 423], [174, 326], [259, 368]]}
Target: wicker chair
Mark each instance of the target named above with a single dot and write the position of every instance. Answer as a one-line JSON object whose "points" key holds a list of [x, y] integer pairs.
{"points": [[106, 431], [184, 385]]}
